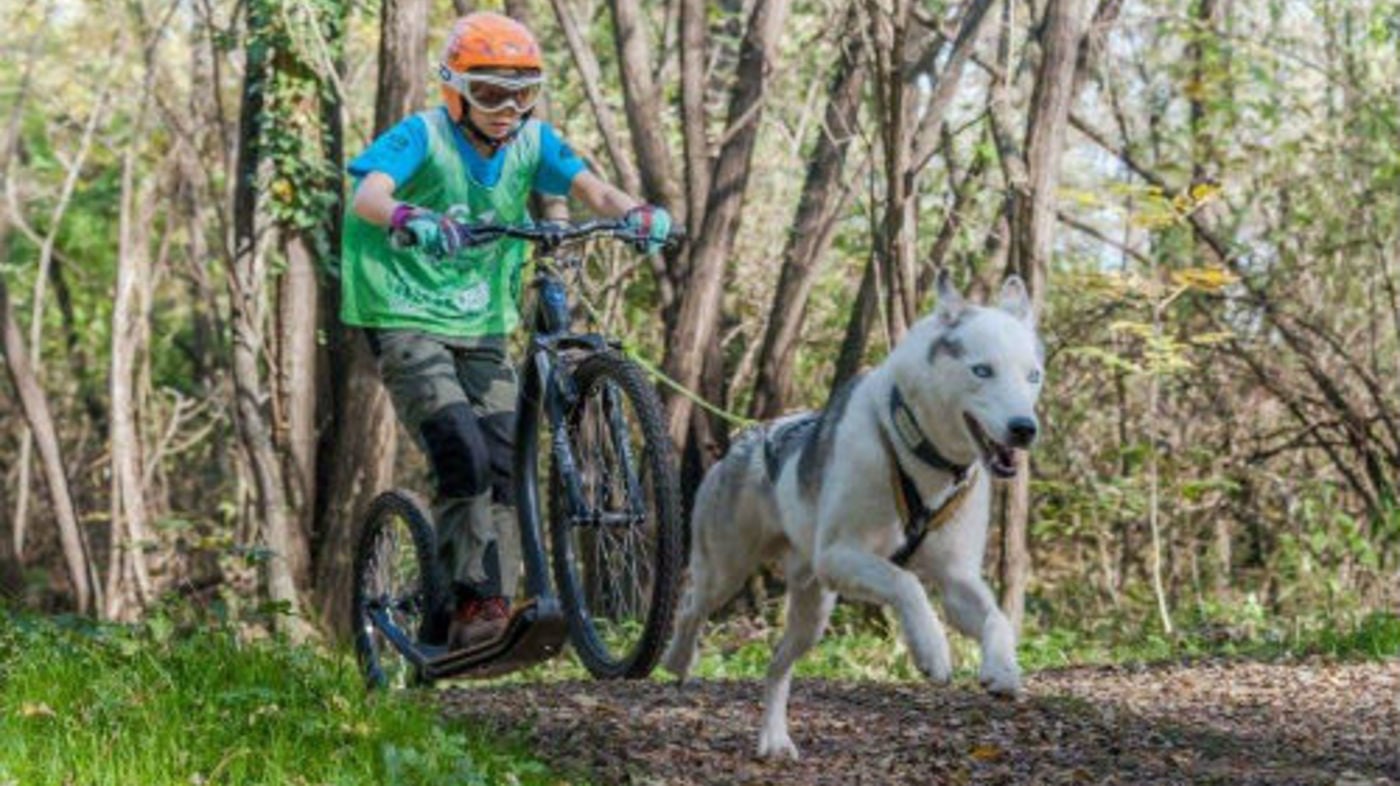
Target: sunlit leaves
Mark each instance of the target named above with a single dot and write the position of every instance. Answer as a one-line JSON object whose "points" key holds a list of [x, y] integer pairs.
{"points": [[1155, 210], [1206, 279]]}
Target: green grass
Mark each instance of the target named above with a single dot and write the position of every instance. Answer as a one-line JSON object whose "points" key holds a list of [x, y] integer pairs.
{"points": [[98, 704], [1241, 631]]}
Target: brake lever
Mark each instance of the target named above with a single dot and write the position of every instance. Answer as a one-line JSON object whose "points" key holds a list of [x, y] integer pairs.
{"points": [[400, 239], [471, 238], [549, 236], [674, 240]]}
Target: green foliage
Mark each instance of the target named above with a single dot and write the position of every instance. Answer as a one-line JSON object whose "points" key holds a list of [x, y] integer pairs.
{"points": [[1244, 630], [297, 42], [1376, 636], [158, 704]]}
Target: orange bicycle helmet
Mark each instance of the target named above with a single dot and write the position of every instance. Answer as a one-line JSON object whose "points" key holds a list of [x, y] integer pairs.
{"points": [[485, 40]]}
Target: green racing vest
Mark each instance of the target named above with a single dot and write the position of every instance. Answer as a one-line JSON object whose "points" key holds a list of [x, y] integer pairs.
{"points": [[474, 294]]}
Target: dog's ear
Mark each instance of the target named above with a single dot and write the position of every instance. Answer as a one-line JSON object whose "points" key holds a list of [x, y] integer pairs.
{"points": [[950, 301], [1016, 301]]}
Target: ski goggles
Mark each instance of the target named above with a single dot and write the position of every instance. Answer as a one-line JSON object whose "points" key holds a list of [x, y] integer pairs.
{"points": [[494, 92]]}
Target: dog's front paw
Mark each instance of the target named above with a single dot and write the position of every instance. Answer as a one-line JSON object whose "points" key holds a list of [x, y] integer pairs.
{"points": [[1000, 674], [776, 745], [1001, 678], [934, 661]]}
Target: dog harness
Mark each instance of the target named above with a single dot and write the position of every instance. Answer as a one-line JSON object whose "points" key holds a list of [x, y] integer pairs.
{"points": [[918, 518]]}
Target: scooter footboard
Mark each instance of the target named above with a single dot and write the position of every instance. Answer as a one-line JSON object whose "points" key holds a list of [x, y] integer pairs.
{"points": [[536, 632]]}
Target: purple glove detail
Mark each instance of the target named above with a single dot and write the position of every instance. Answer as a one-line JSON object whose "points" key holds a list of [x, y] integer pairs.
{"points": [[402, 213]]}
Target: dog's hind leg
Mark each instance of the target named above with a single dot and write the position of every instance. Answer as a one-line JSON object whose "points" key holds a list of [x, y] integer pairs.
{"points": [[973, 611], [717, 573], [808, 609], [711, 586], [857, 573]]}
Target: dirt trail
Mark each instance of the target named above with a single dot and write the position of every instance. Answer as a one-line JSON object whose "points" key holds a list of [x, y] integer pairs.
{"points": [[1197, 723]]}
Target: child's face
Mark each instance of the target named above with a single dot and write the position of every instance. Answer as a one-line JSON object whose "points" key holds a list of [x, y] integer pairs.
{"points": [[495, 124]]}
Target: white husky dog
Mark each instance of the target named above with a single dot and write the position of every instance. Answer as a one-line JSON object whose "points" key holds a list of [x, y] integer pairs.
{"points": [[886, 485]]}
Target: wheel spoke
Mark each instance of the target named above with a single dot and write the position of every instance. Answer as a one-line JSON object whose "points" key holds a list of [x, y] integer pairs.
{"points": [[613, 530], [392, 569], [611, 554]]}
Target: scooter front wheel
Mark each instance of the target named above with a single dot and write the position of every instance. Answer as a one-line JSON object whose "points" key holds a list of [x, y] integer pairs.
{"points": [[615, 520]]}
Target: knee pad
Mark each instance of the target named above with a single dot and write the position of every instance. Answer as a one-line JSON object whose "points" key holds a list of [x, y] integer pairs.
{"points": [[457, 451], [499, 431]]}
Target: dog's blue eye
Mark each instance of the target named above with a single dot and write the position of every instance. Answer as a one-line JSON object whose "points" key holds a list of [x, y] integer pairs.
{"points": [[982, 370], [1034, 378]]}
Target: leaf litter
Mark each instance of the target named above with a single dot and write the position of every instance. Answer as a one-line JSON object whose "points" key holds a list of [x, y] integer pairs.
{"points": [[1202, 722]]}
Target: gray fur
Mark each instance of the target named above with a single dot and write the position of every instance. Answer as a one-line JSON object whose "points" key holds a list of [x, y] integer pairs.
{"points": [[817, 451], [785, 439], [947, 344], [731, 473]]}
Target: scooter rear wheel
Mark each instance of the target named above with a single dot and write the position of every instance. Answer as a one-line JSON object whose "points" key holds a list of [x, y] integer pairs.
{"points": [[396, 574]]}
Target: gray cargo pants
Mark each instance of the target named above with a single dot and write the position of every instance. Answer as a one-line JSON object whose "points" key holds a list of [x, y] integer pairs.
{"points": [[457, 398]]}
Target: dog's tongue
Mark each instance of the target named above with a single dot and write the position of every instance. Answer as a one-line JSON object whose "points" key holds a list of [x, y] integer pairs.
{"points": [[1003, 461]]}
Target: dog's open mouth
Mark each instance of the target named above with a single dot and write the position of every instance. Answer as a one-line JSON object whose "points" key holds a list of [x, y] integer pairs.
{"points": [[999, 458]]}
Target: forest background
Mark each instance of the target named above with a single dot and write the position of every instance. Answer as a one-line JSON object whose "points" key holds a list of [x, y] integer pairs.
{"points": [[1203, 194]]}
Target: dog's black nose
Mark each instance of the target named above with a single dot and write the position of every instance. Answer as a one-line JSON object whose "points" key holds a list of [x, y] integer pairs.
{"points": [[1022, 431]]}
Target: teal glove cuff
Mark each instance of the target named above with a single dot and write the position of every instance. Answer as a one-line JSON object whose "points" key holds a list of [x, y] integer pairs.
{"points": [[436, 235], [653, 224]]}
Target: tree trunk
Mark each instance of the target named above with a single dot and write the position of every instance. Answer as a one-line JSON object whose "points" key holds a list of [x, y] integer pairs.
{"points": [[11, 569], [693, 35], [403, 60], [1206, 64], [643, 105], [246, 295], [128, 580], [907, 149], [129, 586], [1032, 231], [699, 311], [359, 447], [821, 200], [896, 264], [587, 64], [925, 140], [87, 588], [297, 320], [36, 413], [36, 320], [550, 208]]}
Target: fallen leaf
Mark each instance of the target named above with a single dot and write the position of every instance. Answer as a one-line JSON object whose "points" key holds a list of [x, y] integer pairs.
{"points": [[32, 709]]}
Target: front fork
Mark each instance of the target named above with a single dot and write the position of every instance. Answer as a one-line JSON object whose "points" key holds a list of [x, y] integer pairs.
{"points": [[547, 394]]}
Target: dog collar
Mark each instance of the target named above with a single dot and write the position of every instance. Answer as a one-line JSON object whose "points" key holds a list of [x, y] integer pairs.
{"points": [[918, 518], [906, 428]]}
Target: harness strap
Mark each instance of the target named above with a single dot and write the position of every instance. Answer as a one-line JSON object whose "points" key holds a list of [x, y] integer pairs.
{"points": [[918, 519]]}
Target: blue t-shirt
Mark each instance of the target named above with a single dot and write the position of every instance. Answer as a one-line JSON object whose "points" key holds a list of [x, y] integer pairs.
{"points": [[399, 152]]}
